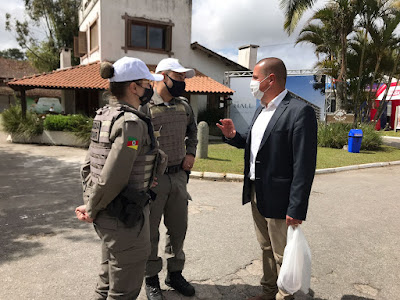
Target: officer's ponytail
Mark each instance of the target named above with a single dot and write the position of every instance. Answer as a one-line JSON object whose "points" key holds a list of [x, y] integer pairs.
{"points": [[117, 89], [106, 70]]}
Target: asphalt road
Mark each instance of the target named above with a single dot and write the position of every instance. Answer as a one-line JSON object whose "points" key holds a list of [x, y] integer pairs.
{"points": [[45, 253]]}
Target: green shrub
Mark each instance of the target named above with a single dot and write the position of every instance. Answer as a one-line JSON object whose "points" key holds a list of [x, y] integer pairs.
{"points": [[211, 117], [79, 124], [27, 127], [372, 139], [84, 130], [335, 135], [63, 123]]}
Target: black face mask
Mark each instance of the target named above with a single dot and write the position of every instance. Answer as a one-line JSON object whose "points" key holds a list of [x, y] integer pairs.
{"points": [[177, 89], [148, 93]]}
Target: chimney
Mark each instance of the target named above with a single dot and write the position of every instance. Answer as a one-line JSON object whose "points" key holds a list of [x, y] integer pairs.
{"points": [[65, 58], [248, 56]]}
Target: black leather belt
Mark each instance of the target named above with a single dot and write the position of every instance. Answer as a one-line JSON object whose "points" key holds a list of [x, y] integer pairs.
{"points": [[173, 169]]}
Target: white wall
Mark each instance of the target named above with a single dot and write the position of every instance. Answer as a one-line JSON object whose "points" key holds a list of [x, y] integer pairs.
{"points": [[91, 16], [112, 27], [210, 66], [198, 103]]}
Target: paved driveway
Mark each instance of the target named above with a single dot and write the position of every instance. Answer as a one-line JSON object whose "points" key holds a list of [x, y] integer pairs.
{"points": [[45, 253]]}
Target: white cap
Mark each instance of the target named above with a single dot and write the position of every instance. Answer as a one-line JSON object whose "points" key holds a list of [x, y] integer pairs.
{"points": [[172, 64], [130, 69]]}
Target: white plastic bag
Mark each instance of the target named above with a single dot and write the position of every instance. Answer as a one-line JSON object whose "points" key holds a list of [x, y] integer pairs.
{"points": [[295, 273]]}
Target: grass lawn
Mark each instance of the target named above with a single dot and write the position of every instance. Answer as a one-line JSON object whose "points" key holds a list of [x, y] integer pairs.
{"points": [[390, 133], [223, 158]]}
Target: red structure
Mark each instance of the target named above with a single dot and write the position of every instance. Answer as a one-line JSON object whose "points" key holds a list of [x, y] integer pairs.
{"points": [[393, 96]]}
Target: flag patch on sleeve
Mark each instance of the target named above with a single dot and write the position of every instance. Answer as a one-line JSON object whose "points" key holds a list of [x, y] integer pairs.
{"points": [[132, 143]]}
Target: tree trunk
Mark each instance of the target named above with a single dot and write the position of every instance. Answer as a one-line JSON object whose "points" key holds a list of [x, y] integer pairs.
{"points": [[384, 100], [356, 104], [341, 86], [378, 62]]}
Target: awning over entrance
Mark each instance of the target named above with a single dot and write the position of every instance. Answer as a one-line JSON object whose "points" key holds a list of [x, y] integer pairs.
{"points": [[393, 93]]}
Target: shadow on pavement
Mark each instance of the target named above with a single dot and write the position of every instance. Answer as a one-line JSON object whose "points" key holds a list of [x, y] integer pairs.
{"points": [[352, 297], [220, 292], [38, 196], [230, 292]]}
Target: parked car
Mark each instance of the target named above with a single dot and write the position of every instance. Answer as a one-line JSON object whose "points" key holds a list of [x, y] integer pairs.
{"points": [[47, 105]]}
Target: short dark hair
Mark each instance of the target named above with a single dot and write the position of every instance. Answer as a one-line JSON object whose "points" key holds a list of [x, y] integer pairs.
{"points": [[118, 89], [276, 66]]}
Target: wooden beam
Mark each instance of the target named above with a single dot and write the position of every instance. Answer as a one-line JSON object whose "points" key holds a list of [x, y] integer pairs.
{"points": [[23, 103]]}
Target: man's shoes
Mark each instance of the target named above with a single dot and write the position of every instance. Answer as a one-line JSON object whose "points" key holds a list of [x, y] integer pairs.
{"points": [[179, 284], [153, 290]]}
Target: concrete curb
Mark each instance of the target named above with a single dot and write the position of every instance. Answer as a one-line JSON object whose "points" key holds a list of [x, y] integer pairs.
{"points": [[391, 141], [237, 177]]}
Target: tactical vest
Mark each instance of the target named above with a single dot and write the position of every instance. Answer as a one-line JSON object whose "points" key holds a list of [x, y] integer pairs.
{"points": [[171, 123], [143, 171]]}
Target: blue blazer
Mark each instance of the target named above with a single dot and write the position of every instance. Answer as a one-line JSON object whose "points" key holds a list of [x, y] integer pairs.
{"points": [[285, 163]]}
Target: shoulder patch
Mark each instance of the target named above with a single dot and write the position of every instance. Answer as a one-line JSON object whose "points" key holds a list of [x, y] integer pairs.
{"points": [[130, 116], [132, 143], [183, 99]]}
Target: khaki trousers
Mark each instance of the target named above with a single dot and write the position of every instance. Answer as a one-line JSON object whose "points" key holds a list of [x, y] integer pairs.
{"points": [[172, 202], [124, 255], [271, 235]]}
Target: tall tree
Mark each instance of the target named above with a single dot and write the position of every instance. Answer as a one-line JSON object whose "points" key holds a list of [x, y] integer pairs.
{"points": [[60, 20], [322, 33], [13, 53], [345, 13]]}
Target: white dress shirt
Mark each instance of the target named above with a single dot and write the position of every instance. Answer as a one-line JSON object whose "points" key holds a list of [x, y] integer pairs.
{"points": [[259, 127]]}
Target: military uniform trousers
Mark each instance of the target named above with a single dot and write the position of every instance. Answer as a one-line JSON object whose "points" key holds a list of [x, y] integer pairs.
{"points": [[172, 202], [124, 255], [271, 235]]}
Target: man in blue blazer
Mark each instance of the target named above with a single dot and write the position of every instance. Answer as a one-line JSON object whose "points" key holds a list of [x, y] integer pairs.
{"points": [[279, 165]]}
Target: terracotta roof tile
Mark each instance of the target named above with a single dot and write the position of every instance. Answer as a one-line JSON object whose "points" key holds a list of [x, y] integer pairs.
{"points": [[11, 68], [88, 77], [78, 77], [5, 90]]}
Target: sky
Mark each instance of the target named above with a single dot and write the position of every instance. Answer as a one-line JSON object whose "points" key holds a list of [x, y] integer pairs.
{"points": [[222, 26]]}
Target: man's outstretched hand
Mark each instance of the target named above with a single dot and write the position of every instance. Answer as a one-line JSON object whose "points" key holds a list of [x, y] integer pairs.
{"points": [[227, 128]]}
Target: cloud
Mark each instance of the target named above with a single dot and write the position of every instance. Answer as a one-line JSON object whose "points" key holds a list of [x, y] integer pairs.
{"points": [[223, 26], [16, 9]]}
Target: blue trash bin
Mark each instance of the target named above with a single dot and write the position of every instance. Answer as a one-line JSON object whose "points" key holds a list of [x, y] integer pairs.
{"points": [[355, 138]]}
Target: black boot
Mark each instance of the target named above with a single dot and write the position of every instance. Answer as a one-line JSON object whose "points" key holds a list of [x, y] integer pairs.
{"points": [[179, 284], [153, 290]]}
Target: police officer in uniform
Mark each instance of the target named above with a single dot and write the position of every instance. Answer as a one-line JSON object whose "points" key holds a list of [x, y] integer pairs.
{"points": [[118, 171], [175, 126]]}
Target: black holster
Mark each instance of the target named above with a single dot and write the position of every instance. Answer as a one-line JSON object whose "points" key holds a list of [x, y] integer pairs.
{"points": [[128, 207]]}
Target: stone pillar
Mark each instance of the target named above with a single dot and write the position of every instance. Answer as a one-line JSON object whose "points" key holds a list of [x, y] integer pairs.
{"points": [[202, 136]]}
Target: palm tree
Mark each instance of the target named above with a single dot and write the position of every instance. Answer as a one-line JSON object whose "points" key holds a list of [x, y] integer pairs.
{"points": [[384, 40], [323, 34], [345, 12]]}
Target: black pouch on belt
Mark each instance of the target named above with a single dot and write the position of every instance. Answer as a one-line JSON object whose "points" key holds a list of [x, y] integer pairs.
{"points": [[128, 207]]}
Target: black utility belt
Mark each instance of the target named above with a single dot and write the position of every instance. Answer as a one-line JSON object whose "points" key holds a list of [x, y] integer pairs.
{"points": [[173, 169]]}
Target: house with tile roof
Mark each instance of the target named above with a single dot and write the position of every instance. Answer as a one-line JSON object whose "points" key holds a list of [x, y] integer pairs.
{"points": [[150, 30], [10, 69]]}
